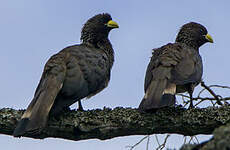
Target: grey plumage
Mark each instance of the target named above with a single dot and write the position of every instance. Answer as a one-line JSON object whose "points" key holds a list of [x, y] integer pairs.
{"points": [[175, 68], [74, 73]]}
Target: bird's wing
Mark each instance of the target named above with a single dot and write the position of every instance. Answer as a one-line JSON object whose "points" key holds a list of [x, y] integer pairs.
{"points": [[188, 70], [154, 62], [35, 116], [167, 56], [158, 75]]}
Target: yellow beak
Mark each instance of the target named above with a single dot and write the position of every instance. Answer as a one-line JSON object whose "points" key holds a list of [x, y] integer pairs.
{"points": [[112, 24], [209, 38]]}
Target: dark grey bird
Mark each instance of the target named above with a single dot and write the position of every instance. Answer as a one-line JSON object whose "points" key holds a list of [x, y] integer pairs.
{"points": [[74, 73], [175, 68]]}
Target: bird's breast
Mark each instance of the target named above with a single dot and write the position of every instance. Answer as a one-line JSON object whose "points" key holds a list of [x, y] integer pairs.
{"points": [[86, 73]]}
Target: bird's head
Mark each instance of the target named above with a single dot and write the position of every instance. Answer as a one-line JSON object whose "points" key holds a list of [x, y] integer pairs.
{"points": [[194, 35], [97, 28]]}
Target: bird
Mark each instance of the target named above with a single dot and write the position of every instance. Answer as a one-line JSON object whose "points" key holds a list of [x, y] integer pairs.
{"points": [[76, 72], [175, 68]]}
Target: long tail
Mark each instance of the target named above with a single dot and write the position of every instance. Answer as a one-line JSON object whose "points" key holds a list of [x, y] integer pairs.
{"points": [[160, 93], [35, 117]]}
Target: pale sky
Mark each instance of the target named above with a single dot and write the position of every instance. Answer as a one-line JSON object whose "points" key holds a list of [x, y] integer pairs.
{"points": [[32, 31]]}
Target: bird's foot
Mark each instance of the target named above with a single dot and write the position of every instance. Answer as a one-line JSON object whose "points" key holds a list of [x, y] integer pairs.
{"points": [[191, 106], [80, 108]]}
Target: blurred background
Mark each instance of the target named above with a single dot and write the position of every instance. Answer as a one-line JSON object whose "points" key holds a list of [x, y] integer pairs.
{"points": [[32, 31]]}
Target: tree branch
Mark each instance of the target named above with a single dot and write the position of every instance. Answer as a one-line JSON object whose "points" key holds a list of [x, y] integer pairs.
{"points": [[219, 141], [107, 123], [215, 99], [211, 92]]}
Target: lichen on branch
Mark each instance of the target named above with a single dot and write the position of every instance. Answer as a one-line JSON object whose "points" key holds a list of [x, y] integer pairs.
{"points": [[110, 123]]}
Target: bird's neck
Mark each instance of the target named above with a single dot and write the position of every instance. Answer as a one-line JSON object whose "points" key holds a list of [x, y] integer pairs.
{"points": [[189, 43], [104, 45]]}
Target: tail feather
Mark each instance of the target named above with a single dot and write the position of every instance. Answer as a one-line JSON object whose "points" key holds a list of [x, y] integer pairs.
{"points": [[159, 93], [21, 127], [168, 100], [35, 117], [152, 98]]}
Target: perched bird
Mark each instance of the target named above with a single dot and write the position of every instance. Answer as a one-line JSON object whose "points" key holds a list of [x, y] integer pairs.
{"points": [[175, 68], [74, 73]]}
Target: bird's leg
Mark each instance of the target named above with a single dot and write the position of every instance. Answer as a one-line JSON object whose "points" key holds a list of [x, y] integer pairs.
{"points": [[80, 108], [190, 91], [191, 101]]}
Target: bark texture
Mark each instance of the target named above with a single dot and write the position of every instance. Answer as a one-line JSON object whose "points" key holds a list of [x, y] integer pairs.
{"points": [[108, 123]]}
